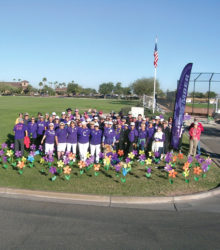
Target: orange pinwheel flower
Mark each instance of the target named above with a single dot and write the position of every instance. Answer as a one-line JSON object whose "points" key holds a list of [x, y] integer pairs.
{"points": [[67, 170], [197, 170], [180, 156], [174, 158], [81, 164], [120, 152], [20, 164], [186, 165], [96, 167], [71, 156], [172, 173]]}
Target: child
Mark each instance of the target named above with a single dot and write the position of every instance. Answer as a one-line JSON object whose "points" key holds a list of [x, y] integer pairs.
{"points": [[158, 141]]}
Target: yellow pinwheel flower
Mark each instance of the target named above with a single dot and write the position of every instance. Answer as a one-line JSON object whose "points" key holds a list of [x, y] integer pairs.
{"points": [[125, 165], [141, 152], [42, 161], [131, 155], [148, 161], [106, 161], [150, 153], [88, 155], [60, 164], [9, 153], [23, 159], [186, 173], [113, 151]]}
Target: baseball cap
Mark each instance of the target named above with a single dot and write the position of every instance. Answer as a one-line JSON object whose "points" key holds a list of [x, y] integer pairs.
{"points": [[130, 113], [83, 123], [57, 117], [54, 113], [20, 120], [95, 118], [51, 124], [76, 110], [132, 124], [157, 117], [26, 114], [96, 124], [62, 123], [63, 113], [110, 123]]}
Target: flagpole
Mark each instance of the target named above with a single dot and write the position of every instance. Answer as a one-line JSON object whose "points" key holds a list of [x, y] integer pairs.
{"points": [[155, 76]]}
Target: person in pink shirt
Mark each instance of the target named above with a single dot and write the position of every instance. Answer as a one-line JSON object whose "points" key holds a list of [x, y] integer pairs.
{"points": [[194, 133]]}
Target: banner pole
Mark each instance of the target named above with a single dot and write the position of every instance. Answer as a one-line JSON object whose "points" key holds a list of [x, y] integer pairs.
{"points": [[154, 101]]}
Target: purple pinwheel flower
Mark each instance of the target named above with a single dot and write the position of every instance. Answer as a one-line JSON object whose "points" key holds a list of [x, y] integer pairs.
{"points": [[66, 160], [101, 155], [168, 167], [149, 170], [117, 168], [208, 161], [135, 152], [12, 146], [90, 160], [18, 154], [40, 147], [45, 158], [53, 170], [190, 159], [127, 160], [1, 152], [33, 147], [4, 145], [197, 157], [50, 158], [205, 167], [109, 153], [201, 160], [5, 158], [168, 157], [157, 154], [142, 157], [32, 153]]}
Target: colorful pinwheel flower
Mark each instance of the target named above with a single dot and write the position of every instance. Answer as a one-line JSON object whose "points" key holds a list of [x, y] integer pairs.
{"points": [[60, 164], [197, 170], [21, 164], [9, 153], [96, 167], [131, 155], [120, 152], [67, 170], [172, 173], [81, 164], [148, 161]]}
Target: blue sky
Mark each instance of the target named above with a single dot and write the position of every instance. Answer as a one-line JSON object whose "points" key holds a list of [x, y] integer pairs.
{"points": [[97, 41]]}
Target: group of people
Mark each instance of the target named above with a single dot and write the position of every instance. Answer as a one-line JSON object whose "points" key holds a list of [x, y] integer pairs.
{"points": [[94, 132]]}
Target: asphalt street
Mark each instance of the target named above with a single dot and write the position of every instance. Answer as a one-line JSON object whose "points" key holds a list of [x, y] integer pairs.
{"points": [[211, 138], [26, 224]]}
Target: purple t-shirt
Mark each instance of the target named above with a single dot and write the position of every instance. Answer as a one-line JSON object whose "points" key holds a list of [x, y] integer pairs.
{"points": [[50, 135], [71, 135], [96, 137], [40, 127], [32, 129], [19, 130], [83, 135], [109, 136], [61, 135]]}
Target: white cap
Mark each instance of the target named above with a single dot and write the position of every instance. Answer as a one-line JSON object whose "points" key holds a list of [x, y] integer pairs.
{"points": [[88, 120], [84, 123], [63, 113], [57, 117], [96, 124], [144, 119], [68, 123], [162, 119], [95, 118], [130, 113], [132, 124], [54, 113], [157, 117], [51, 124], [110, 123], [106, 122]]}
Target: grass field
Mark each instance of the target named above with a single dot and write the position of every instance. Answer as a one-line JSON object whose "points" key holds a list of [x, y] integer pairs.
{"points": [[201, 105], [106, 183], [10, 106]]}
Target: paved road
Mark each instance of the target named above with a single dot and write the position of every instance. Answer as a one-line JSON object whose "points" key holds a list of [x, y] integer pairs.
{"points": [[211, 138], [41, 225]]}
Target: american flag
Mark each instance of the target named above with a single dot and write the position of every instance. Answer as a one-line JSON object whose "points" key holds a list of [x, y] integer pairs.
{"points": [[155, 55]]}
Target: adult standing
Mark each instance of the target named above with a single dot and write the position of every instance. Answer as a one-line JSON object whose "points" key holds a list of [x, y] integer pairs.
{"points": [[109, 136], [32, 130], [132, 137], [72, 137], [20, 130], [41, 126], [50, 138], [194, 133], [95, 142], [60, 138], [167, 133], [83, 135]]}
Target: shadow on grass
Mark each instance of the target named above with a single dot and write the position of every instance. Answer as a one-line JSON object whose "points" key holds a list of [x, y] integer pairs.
{"points": [[106, 174], [10, 139]]}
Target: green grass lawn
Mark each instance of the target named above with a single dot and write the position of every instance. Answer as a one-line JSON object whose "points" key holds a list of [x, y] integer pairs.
{"points": [[201, 105], [10, 106], [106, 182]]}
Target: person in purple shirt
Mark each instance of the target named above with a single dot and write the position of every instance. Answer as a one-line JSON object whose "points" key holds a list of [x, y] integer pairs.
{"points": [[132, 137], [20, 131], [56, 123], [142, 137], [150, 134], [61, 138], [72, 137], [50, 120], [95, 142], [50, 138], [41, 126], [32, 130], [83, 135], [109, 136]]}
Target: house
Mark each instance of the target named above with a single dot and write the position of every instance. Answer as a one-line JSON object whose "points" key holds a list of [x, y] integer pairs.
{"points": [[24, 84]]}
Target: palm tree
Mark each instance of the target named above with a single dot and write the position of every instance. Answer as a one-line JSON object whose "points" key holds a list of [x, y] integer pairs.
{"points": [[44, 80]]}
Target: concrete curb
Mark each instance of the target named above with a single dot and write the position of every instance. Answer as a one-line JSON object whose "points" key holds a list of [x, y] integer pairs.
{"points": [[101, 200]]}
